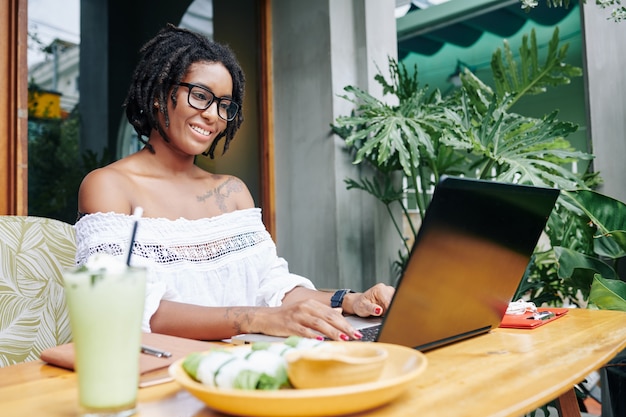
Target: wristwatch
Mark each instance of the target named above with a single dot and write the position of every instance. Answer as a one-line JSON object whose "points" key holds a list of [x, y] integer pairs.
{"points": [[337, 299]]}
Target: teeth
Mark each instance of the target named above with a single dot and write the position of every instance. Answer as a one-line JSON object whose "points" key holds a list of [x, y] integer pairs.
{"points": [[200, 130]]}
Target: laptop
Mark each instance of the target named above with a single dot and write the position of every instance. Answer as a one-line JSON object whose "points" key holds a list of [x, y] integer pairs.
{"points": [[469, 256]]}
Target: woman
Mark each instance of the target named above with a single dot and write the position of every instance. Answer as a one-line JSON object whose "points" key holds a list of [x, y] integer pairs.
{"points": [[213, 268]]}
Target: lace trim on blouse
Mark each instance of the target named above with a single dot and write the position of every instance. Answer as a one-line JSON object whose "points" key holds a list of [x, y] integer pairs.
{"points": [[168, 242], [203, 252]]}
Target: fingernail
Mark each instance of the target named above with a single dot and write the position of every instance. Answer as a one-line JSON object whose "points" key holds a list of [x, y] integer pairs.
{"points": [[358, 334], [344, 337], [319, 338], [378, 310]]}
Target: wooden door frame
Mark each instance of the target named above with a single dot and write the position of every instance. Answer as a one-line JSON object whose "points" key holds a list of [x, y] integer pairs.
{"points": [[14, 107], [266, 108]]}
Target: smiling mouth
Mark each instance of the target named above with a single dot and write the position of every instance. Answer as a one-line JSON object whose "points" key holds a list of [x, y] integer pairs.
{"points": [[203, 132]]}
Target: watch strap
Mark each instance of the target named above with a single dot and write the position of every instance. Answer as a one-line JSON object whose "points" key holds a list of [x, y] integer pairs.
{"points": [[336, 300]]}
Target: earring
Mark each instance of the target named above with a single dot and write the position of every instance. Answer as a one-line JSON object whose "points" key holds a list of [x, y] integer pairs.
{"points": [[156, 104]]}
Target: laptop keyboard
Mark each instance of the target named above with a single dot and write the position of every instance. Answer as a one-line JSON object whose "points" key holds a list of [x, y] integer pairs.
{"points": [[370, 333]]}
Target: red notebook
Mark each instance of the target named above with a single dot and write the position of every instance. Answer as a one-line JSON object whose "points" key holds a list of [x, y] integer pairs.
{"points": [[526, 320]]}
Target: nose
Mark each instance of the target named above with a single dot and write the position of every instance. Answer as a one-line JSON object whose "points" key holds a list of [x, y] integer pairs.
{"points": [[211, 111]]}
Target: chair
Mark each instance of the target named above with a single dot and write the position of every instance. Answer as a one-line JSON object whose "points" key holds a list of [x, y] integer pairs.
{"points": [[33, 314]]}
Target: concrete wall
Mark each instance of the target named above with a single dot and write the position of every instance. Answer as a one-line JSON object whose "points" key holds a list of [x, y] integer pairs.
{"points": [[604, 58], [336, 237]]}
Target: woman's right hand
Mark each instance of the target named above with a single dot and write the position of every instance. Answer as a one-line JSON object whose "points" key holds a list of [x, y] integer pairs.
{"points": [[309, 318]]}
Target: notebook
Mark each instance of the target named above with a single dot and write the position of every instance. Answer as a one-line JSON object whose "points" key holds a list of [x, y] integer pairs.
{"points": [[152, 369], [469, 256], [532, 320]]}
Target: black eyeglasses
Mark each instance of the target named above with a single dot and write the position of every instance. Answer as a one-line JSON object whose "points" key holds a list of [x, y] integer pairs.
{"points": [[200, 98]]}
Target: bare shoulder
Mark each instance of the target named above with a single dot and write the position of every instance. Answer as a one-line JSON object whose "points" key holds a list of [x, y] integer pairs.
{"points": [[235, 189], [105, 189]]}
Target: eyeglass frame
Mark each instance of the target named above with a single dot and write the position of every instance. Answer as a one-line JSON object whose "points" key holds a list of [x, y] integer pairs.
{"points": [[214, 98]]}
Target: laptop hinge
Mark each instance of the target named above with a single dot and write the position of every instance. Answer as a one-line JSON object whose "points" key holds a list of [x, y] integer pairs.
{"points": [[452, 339]]}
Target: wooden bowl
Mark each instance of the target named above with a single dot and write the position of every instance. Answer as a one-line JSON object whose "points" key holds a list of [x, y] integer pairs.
{"points": [[336, 364]]}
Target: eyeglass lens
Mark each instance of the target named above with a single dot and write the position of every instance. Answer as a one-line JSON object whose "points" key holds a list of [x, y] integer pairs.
{"points": [[201, 98]]}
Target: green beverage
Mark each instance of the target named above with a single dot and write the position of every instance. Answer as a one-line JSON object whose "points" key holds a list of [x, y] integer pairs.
{"points": [[106, 308]]}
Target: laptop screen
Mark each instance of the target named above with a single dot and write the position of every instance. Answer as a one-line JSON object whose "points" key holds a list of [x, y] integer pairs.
{"points": [[469, 256]]}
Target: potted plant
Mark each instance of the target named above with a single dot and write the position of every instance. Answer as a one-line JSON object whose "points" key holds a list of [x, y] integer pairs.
{"points": [[473, 132]]}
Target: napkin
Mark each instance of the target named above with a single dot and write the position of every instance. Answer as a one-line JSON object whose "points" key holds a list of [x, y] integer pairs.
{"points": [[525, 321], [63, 355]]}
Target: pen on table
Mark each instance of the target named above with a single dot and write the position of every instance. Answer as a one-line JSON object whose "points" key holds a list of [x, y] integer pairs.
{"points": [[543, 315], [155, 352]]}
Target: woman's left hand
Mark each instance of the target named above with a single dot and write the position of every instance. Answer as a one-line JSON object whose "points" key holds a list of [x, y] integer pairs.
{"points": [[373, 302]]}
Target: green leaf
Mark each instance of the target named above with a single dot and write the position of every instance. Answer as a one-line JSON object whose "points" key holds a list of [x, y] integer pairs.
{"points": [[608, 294], [605, 214], [292, 341], [268, 382], [260, 346], [570, 260], [254, 380], [381, 188], [579, 269], [606, 247], [247, 379], [529, 76], [513, 148], [191, 363], [402, 136]]}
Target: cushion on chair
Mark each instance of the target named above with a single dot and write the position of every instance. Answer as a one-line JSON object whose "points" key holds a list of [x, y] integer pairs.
{"points": [[33, 315]]}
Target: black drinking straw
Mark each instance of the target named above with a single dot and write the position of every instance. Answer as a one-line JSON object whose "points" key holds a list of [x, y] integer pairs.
{"points": [[136, 214]]}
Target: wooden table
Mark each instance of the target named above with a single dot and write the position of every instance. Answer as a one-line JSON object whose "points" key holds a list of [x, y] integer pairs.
{"points": [[504, 373]]}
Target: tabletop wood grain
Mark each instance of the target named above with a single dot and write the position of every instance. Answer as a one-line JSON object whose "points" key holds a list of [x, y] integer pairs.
{"points": [[506, 372]]}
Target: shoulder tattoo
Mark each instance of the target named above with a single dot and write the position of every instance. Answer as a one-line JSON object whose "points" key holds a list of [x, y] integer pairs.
{"points": [[222, 192]]}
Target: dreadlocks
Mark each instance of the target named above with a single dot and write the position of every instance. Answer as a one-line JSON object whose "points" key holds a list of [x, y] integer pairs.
{"points": [[164, 61]]}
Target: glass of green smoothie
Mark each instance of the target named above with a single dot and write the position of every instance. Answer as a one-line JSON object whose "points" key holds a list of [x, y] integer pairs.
{"points": [[105, 299]]}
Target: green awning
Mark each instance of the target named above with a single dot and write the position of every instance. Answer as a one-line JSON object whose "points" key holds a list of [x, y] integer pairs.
{"points": [[468, 32], [463, 23]]}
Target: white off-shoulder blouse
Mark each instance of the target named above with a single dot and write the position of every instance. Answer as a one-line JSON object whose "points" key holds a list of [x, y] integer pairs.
{"points": [[227, 260]]}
